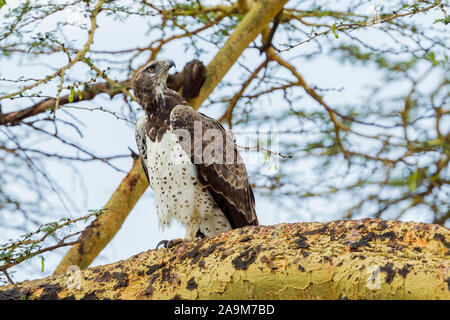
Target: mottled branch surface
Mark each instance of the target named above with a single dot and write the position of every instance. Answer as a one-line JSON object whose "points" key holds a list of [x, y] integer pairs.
{"points": [[363, 259]]}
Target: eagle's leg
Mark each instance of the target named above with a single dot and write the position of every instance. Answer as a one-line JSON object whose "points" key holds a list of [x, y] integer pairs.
{"points": [[193, 229]]}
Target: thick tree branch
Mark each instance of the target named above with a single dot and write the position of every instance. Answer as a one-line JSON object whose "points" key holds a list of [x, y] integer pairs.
{"points": [[89, 93], [365, 259]]}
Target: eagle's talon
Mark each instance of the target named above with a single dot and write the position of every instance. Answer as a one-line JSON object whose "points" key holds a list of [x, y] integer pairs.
{"points": [[169, 243], [162, 243]]}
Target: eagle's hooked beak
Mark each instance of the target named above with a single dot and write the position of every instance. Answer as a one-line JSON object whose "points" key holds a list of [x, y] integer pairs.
{"points": [[169, 64]]}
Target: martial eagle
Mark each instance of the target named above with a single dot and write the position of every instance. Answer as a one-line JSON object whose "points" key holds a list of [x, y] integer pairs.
{"points": [[207, 194]]}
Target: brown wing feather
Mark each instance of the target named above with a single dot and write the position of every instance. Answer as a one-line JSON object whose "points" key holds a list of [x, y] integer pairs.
{"points": [[227, 181]]}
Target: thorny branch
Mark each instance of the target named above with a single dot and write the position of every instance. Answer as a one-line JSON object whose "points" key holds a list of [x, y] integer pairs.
{"points": [[36, 243]]}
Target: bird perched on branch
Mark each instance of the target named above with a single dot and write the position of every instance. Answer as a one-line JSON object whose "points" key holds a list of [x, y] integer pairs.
{"points": [[192, 165]]}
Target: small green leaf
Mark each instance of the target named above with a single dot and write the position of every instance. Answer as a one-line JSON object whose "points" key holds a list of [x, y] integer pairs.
{"points": [[432, 58], [445, 20], [266, 156], [435, 177], [42, 264], [2, 3], [88, 61], [413, 180], [71, 94], [333, 29]]}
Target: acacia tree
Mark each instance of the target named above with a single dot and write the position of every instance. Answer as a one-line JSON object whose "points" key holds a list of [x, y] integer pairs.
{"points": [[382, 152]]}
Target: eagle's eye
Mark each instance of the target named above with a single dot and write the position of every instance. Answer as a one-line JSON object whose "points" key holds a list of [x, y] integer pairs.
{"points": [[151, 68]]}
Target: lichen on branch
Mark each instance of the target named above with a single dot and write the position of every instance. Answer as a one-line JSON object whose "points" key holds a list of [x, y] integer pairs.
{"points": [[362, 259]]}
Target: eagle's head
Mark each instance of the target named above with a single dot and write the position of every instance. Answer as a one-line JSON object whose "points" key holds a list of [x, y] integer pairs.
{"points": [[149, 83]]}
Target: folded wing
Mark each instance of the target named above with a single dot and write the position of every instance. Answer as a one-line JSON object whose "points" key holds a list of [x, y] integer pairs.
{"points": [[219, 165]]}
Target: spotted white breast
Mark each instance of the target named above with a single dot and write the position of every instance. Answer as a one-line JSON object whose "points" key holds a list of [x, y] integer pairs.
{"points": [[178, 192]]}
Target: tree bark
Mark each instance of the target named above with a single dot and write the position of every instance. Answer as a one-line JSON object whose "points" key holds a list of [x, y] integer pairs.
{"points": [[364, 259], [253, 23]]}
